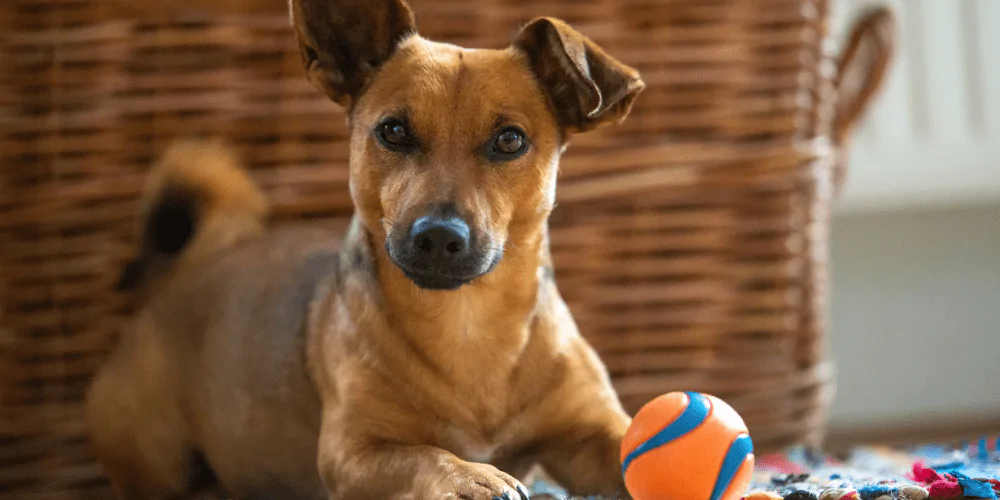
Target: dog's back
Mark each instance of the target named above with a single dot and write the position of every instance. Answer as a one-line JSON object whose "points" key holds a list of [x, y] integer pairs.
{"points": [[212, 368]]}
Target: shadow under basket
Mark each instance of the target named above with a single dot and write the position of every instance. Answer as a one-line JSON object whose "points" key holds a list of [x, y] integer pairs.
{"points": [[690, 242]]}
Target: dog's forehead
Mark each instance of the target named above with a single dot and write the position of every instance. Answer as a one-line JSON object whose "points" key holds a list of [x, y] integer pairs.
{"points": [[447, 61], [439, 79]]}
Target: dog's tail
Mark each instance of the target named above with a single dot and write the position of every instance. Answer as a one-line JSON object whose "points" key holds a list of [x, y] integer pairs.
{"points": [[197, 201]]}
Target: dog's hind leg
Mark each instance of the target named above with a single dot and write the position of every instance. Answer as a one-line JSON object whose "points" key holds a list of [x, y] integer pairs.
{"points": [[137, 434]]}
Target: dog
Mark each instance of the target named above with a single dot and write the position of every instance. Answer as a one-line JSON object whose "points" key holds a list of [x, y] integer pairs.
{"points": [[424, 354]]}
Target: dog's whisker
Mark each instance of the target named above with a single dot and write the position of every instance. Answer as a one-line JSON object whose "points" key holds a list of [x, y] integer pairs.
{"points": [[388, 222]]}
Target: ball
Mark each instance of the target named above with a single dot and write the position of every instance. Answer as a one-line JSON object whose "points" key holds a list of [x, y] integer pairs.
{"points": [[687, 446]]}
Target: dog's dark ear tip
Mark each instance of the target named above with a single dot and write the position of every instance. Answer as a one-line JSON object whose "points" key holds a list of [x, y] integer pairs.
{"points": [[344, 43], [588, 88]]}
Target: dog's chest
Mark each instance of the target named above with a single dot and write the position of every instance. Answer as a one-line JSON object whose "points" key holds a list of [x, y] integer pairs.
{"points": [[478, 425], [472, 446], [481, 453]]}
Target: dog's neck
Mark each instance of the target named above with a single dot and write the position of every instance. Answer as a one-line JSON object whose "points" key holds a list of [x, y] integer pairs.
{"points": [[492, 314]]}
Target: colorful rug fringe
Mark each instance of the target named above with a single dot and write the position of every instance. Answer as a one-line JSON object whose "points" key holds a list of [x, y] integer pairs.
{"points": [[873, 473], [934, 472]]}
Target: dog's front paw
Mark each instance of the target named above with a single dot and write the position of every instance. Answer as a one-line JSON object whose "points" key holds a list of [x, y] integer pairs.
{"points": [[472, 481]]}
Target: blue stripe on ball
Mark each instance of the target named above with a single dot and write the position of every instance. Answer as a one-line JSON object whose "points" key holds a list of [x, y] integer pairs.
{"points": [[738, 451], [695, 413]]}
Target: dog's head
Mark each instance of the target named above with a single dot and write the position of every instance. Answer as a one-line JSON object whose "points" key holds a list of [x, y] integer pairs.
{"points": [[454, 152]]}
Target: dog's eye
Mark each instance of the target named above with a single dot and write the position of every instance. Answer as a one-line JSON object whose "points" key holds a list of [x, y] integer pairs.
{"points": [[509, 144], [510, 141], [394, 135]]}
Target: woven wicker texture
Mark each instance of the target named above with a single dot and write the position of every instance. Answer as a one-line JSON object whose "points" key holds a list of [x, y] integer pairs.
{"points": [[690, 242]]}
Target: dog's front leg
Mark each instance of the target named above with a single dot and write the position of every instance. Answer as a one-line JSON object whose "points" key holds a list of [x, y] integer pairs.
{"points": [[581, 444], [584, 458], [403, 472]]}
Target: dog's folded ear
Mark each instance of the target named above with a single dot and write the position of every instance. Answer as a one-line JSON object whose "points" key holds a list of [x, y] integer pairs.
{"points": [[587, 87], [344, 42]]}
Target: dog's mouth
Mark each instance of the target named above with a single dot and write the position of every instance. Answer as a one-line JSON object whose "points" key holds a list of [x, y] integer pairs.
{"points": [[430, 277], [436, 281]]}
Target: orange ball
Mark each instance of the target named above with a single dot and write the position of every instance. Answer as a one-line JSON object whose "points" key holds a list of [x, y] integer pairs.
{"points": [[687, 446]]}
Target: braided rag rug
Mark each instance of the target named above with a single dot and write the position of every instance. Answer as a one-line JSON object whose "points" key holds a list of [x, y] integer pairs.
{"points": [[968, 471]]}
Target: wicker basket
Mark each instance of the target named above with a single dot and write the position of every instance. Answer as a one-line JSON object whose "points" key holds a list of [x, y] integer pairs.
{"points": [[690, 242]]}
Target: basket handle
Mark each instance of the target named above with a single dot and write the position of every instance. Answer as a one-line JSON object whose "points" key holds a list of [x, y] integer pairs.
{"points": [[861, 71]]}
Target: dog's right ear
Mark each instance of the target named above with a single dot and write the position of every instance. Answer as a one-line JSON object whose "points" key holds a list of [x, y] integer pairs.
{"points": [[344, 42], [587, 87]]}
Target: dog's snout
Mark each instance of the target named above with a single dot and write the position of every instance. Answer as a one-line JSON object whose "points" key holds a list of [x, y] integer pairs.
{"points": [[440, 239], [441, 251]]}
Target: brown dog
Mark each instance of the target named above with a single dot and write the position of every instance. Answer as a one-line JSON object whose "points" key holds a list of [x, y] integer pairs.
{"points": [[432, 356]]}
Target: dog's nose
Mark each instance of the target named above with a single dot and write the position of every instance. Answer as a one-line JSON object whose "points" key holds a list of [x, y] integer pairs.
{"points": [[441, 239]]}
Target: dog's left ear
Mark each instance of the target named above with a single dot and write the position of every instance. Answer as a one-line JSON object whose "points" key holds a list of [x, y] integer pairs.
{"points": [[345, 42], [587, 87]]}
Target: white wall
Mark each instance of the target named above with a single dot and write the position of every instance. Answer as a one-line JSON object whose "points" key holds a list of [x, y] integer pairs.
{"points": [[916, 278], [933, 137], [916, 315]]}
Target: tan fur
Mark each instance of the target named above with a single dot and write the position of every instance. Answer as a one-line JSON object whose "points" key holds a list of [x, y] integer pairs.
{"points": [[299, 371]]}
